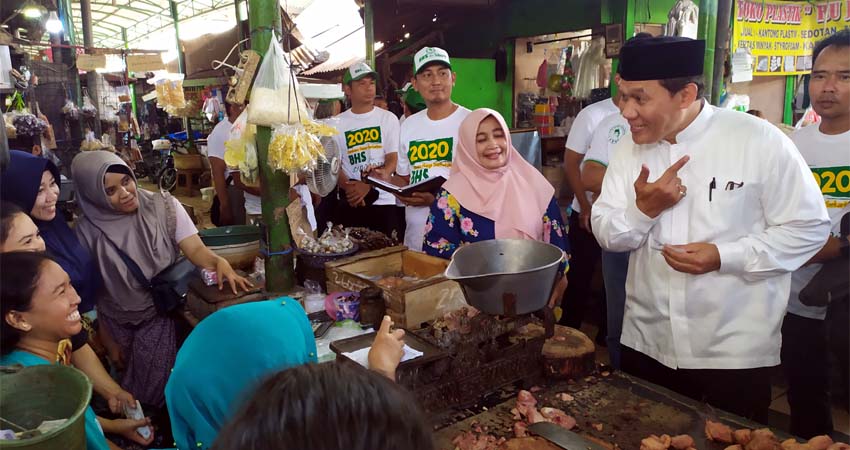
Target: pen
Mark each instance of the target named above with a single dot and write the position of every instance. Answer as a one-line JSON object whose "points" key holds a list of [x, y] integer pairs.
{"points": [[711, 186]]}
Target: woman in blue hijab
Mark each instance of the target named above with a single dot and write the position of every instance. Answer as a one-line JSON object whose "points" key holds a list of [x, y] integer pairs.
{"points": [[32, 183], [235, 349]]}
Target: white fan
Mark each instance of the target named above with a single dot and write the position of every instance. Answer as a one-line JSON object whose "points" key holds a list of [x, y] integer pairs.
{"points": [[322, 180]]}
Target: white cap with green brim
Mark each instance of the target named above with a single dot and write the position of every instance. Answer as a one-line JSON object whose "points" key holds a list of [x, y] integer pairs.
{"points": [[357, 72], [428, 56]]}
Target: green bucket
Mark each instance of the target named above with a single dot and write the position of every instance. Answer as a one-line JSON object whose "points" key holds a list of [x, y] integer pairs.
{"points": [[230, 235], [45, 392]]}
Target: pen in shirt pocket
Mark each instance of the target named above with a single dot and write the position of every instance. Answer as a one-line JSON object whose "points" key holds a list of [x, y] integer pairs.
{"points": [[711, 186]]}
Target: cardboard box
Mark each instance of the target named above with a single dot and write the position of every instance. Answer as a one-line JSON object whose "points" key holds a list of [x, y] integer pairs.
{"points": [[410, 305]]}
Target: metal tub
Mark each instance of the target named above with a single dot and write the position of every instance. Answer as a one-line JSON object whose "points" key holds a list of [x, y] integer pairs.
{"points": [[506, 276]]}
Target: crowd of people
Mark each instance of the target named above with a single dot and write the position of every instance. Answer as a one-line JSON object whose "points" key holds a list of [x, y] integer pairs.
{"points": [[708, 223]]}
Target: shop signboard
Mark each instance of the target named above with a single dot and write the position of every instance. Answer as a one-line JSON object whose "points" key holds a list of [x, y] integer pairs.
{"points": [[88, 62], [780, 35], [145, 63]]}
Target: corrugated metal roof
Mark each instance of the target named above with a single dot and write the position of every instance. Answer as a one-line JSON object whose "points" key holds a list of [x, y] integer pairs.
{"points": [[333, 65]]}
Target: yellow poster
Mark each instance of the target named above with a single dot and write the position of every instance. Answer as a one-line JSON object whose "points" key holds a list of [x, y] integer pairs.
{"points": [[780, 35]]}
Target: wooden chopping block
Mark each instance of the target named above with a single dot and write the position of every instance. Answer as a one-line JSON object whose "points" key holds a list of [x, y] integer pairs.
{"points": [[528, 443], [569, 354], [203, 300]]}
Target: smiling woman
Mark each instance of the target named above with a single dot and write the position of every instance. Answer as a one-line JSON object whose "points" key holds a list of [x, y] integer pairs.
{"points": [[152, 229]]}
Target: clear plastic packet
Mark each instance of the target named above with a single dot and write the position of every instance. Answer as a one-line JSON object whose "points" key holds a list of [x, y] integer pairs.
{"points": [[275, 97]]}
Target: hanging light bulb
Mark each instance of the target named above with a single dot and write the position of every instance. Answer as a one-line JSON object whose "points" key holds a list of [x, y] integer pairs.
{"points": [[53, 24], [406, 35]]}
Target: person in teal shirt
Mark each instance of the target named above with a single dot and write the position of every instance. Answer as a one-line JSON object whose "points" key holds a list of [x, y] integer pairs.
{"points": [[234, 350], [40, 312]]}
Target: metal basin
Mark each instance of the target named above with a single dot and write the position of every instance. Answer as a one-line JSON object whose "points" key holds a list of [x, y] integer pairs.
{"points": [[506, 276]]}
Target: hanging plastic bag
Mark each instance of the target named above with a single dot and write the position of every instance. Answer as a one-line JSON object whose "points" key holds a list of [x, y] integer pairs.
{"points": [[240, 151], [276, 98], [88, 109], [90, 142], [169, 90]]}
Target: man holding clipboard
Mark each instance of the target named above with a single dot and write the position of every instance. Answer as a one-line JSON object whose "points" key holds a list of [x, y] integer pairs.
{"points": [[428, 138]]}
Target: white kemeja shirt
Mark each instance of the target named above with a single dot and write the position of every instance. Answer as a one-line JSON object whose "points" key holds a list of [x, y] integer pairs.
{"points": [[765, 225], [581, 132], [829, 159], [426, 150]]}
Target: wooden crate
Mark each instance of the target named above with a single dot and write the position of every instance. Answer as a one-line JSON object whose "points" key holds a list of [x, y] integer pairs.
{"points": [[410, 306]]}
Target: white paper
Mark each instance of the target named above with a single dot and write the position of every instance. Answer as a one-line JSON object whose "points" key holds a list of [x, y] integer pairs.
{"points": [[742, 66], [362, 356]]}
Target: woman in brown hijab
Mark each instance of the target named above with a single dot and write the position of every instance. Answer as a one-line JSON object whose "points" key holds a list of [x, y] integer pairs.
{"points": [[152, 229]]}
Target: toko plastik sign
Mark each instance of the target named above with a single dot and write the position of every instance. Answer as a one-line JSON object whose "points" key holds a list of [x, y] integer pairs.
{"points": [[780, 35]]}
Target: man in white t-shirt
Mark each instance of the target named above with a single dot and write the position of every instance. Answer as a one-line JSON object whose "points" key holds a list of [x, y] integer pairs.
{"points": [[428, 138], [368, 142], [585, 251], [805, 332], [615, 265], [224, 211]]}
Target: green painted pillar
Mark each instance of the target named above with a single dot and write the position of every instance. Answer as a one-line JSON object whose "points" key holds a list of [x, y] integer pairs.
{"points": [[181, 62], [369, 26], [263, 17], [788, 112], [707, 30], [130, 86]]}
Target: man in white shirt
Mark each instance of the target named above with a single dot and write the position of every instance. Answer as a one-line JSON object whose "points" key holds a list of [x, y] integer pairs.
{"points": [[368, 141], [615, 265], [585, 250], [826, 148], [730, 211], [225, 211], [435, 128]]}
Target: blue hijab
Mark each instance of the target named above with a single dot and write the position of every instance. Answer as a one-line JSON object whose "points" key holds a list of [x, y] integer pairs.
{"points": [[19, 184], [228, 355]]}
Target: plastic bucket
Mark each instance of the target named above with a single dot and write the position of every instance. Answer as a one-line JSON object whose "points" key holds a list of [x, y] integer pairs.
{"points": [[45, 392]]}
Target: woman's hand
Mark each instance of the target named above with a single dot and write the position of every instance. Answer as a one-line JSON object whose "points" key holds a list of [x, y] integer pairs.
{"points": [[558, 291], [127, 428], [118, 400], [387, 349], [224, 271]]}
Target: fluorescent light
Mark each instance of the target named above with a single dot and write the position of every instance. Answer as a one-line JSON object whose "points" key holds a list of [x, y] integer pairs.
{"points": [[378, 45], [53, 25]]}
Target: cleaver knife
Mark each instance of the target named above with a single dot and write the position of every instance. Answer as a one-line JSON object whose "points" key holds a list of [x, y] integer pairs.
{"points": [[563, 437]]}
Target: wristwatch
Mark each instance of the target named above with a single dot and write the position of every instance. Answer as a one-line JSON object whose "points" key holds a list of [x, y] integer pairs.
{"points": [[844, 247]]}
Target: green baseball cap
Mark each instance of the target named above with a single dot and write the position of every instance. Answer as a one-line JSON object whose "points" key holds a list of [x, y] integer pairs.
{"points": [[411, 96], [428, 56], [357, 72]]}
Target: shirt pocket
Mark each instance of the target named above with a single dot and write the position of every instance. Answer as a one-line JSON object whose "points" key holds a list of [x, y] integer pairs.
{"points": [[734, 212]]}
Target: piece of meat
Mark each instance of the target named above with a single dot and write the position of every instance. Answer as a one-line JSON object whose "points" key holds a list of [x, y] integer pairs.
{"points": [[654, 442], [597, 426], [558, 417], [564, 397], [718, 432], [821, 442], [525, 402], [743, 436], [682, 442], [734, 447], [765, 432], [471, 441], [792, 444], [520, 429], [763, 440], [839, 446]]}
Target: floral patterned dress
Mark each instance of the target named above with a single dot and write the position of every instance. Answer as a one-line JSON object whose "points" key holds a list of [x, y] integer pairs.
{"points": [[450, 226]]}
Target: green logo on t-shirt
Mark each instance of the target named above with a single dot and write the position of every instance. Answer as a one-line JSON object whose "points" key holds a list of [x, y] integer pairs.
{"points": [[833, 181], [436, 150], [362, 136]]}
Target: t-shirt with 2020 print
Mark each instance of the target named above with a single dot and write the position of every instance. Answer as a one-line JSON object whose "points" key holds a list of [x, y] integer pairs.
{"points": [[829, 161], [426, 150], [364, 140]]}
